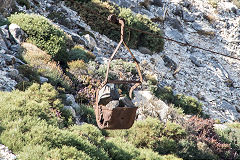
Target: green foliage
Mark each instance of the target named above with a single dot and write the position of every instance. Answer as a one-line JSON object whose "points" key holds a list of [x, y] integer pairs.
{"points": [[142, 23], [132, 38], [67, 152], [43, 34], [79, 53], [41, 62], [151, 133], [87, 114], [231, 135], [29, 72], [189, 104]]}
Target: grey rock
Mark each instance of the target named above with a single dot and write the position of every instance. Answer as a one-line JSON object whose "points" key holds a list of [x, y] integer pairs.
{"points": [[238, 12], [175, 24], [17, 33], [125, 4], [148, 13], [13, 73], [71, 101], [187, 17], [91, 43], [108, 93], [6, 6], [168, 62], [113, 104], [178, 11], [2, 41], [9, 59], [203, 29], [6, 154], [176, 35], [229, 110], [144, 50], [195, 61], [157, 3], [15, 48], [125, 102], [43, 79]]}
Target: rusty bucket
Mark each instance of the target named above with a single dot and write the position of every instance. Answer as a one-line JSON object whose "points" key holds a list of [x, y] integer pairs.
{"points": [[119, 117]]}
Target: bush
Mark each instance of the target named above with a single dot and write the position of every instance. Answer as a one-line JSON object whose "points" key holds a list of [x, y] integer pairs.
{"points": [[133, 39], [231, 135], [42, 63], [203, 131], [152, 134], [189, 104], [79, 53], [43, 34], [37, 101]]}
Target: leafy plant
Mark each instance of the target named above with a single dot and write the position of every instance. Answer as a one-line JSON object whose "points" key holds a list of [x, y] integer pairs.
{"points": [[79, 53], [43, 34], [41, 62]]}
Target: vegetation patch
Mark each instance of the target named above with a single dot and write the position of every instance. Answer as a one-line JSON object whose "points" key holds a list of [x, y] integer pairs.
{"points": [[189, 104], [42, 63], [43, 34], [90, 13], [79, 53]]}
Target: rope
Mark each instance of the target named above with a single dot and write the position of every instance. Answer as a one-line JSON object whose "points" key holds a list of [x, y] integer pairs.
{"points": [[156, 35]]}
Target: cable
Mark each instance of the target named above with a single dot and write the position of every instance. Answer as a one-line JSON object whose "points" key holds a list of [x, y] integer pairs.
{"points": [[152, 34]]}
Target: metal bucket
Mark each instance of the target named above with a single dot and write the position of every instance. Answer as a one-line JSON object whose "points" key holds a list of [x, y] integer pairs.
{"points": [[116, 118]]}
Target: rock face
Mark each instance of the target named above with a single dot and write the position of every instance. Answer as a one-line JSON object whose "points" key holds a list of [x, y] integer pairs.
{"points": [[6, 6], [6, 154]]}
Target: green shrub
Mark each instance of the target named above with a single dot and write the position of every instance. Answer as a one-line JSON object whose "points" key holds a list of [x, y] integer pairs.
{"points": [[189, 104], [42, 63], [37, 101], [132, 38], [151, 133], [79, 53], [43, 34], [67, 152], [231, 135], [29, 72], [87, 114]]}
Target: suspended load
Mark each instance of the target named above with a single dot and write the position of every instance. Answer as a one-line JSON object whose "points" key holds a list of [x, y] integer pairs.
{"points": [[113, 111]]}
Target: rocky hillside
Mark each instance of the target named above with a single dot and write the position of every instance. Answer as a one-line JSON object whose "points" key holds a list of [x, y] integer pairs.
{"points": [[65, 46]]}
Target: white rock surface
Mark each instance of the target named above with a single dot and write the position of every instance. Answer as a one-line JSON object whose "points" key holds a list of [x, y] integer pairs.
{"points": [[6, 154]]}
